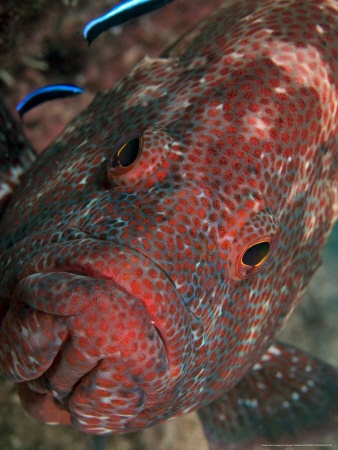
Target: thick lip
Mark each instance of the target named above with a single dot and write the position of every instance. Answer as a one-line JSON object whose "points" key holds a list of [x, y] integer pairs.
{"points": [[54, 258], [117, 269]]}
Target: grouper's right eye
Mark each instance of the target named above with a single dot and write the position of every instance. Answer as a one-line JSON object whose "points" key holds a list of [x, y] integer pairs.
{"points": [[136, 157], [126, 155]]}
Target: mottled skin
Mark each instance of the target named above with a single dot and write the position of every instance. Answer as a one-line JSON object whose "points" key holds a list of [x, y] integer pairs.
{"points": [[125, 297]]}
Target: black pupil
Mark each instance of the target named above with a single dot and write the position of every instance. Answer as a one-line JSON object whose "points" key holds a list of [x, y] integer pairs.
{"points": [[128, 154], [255, 254]]}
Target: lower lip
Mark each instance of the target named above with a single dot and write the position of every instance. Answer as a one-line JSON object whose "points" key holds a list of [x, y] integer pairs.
{"points": [[128, 271]]}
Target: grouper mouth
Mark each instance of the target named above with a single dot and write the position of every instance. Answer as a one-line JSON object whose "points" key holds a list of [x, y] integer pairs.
{"points": [[93, 335]]}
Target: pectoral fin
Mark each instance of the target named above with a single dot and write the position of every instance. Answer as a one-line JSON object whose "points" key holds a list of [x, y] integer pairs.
{"points": [[288, 397]]}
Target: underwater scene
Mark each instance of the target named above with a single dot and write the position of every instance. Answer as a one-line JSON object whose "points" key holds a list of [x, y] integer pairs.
{"points": [[46, 43], [312, 326]]}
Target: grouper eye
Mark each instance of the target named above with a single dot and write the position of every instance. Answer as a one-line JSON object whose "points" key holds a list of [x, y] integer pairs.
{"points": [[126, 155], [138, 157], [252, 249], [256, 254], [250, 257]]}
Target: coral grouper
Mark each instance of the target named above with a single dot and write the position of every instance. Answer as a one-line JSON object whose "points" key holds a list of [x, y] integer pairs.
{"points": [[152, 252]]}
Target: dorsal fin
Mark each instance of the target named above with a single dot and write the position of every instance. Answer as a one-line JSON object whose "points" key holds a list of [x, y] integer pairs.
{"points": [[16, 155]]}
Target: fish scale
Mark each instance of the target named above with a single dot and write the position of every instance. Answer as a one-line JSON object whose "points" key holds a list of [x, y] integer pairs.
{"points": [[229, 142]]}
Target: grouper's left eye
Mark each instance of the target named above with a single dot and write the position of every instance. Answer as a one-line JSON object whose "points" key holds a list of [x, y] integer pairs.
{"points": [[253, 245], [256, 254], [250, 258], [136, 157]]}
